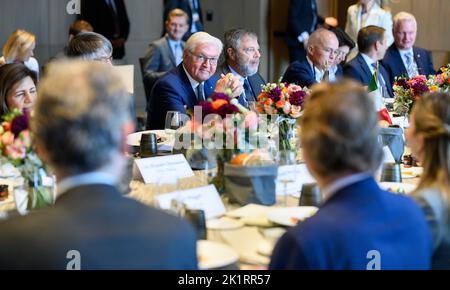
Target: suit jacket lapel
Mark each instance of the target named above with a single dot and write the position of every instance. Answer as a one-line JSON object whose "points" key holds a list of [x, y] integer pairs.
{"points": [[418, 58], [170, 52], [365, 67], [190, 98], [399, 62]]}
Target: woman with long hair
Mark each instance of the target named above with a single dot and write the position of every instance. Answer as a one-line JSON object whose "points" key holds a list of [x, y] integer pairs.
{"points": [[429, 139]]}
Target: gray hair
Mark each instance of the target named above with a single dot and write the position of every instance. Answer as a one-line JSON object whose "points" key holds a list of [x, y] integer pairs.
{"points": [[403, 16], [79, 115], [340, 130], [202, 38], [89, 46], [232, 38]]}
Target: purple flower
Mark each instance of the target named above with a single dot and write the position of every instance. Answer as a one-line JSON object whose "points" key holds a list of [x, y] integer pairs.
{"points": [[20, 124], [420, 88], [402, 82], [220, 96], [227, 109], [275, 94], [297, 98]]}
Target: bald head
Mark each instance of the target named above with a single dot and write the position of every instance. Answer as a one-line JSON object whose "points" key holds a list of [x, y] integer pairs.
{"points": [[322, 47]]}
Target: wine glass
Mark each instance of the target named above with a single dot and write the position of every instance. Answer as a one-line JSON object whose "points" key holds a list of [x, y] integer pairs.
{"points": [[285, 158]]}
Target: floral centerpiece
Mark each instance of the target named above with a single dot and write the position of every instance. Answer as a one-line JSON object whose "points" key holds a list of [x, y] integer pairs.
{"points": [[16, 149], [286, 102], [407, 91], [224, 126], [441, 81]]}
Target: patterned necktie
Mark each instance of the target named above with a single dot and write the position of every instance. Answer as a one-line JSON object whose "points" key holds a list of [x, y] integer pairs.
{"points": [[410, 65], [326, 76], [201, 92], [381, 82], [247, 95]]}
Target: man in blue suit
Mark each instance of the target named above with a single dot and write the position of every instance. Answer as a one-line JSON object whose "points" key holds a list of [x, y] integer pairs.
{"points": [[242, 56], [318, 65], [81, 130], [358, 225], [372, 47], [403, 58], [191, 82]]}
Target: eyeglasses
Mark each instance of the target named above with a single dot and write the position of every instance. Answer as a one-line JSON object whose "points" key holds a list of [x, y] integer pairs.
{"points": [[105, 58], [330, 51], [340, 53], [202, 59]]}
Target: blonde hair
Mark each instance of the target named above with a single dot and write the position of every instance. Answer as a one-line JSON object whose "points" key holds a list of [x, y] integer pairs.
{"points": [[432, 119], [403, 16], [18, 43]]}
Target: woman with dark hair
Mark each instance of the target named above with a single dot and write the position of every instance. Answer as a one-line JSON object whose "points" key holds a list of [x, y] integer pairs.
{"points": [[429, 139], [17, 87]]}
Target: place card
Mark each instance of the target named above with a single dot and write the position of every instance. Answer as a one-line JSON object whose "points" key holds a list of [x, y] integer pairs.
{"points": [[205, 198], [154, 169], [291, 178]]}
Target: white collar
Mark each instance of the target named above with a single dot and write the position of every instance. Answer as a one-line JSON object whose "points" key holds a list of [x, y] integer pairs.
{"points": [[369, 61], [95, 177], [194, 83], [337, 185], [235, 73]]}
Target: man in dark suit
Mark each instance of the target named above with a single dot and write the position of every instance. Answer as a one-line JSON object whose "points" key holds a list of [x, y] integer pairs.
{"points": [[302, 21], [191, 82], [81, 130], [372, 47], [193, 9], [110, 19], [242, 56], [165, 53], [403, 58], [358, 225], [317, 67]]}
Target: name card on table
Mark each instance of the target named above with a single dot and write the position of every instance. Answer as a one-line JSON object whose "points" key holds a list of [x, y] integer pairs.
{"points": [[156, 168], [205, 198], [291, 178]]}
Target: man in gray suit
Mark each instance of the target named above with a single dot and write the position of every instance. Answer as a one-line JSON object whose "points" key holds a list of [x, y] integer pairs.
{"points": [[167, 52], [242, 56]]}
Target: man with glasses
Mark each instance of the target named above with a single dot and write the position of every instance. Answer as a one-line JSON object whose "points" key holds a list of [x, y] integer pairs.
{"points": [[372, 45], [191, 82], [321, 53], [242, 56]]}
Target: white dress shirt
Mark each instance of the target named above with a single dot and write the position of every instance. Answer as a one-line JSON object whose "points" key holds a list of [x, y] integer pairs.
{"points": [[96, 177], [318, 73], [337, 185]]}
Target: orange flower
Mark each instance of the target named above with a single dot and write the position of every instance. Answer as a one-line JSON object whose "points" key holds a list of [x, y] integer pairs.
{"points": [[261, 96], [434, 88], [280, 104], [268, 102], [218, 103]]}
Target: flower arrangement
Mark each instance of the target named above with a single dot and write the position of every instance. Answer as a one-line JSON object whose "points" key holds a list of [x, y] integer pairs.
{"points": [[407, 91], [286, 101], [441, 81], [16, 149]]}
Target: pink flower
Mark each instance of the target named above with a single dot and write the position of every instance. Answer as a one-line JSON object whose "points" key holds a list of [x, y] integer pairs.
{"points": [[251, 120], [287, 108], [15, 152], [25, 137], [295, 111], [7, 138]]}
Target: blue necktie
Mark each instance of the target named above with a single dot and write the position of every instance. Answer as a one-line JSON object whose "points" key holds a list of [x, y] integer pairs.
{"points": [[381, 81], [201, 92]]}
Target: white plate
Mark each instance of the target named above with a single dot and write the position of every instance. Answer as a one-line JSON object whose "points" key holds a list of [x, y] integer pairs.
{"points": [[224, 224], [397, 187], [135, 138], [290, 216], [213, 255], [411, 172]]}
